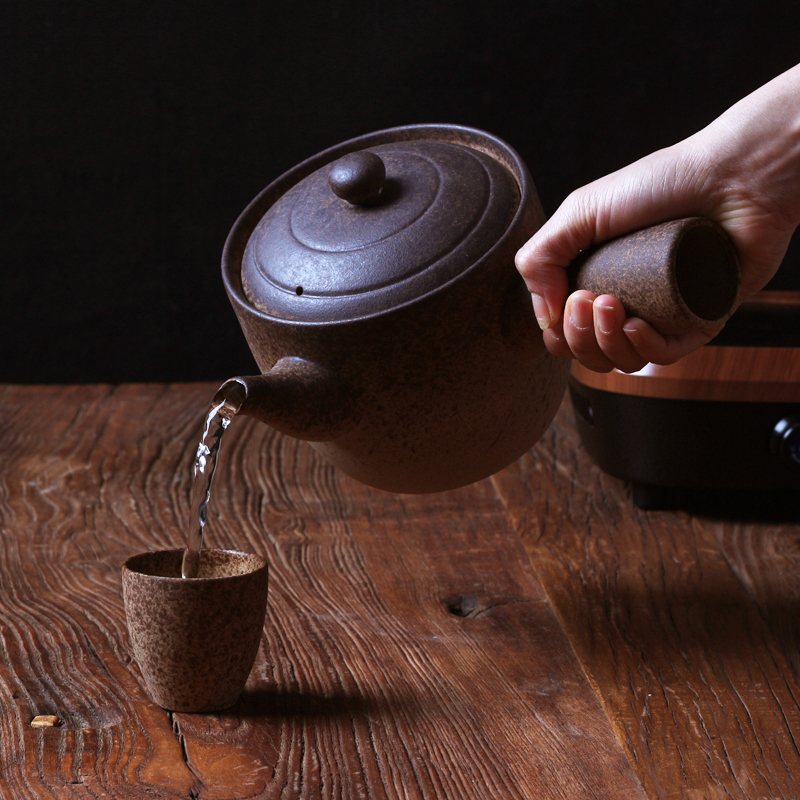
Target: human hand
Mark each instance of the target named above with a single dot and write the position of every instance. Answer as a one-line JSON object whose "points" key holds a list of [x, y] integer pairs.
{"points": [[742, 171]]}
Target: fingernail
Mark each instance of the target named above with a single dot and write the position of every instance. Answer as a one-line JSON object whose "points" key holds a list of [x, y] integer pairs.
{"points": [[606, 318], [580, 313], [542, 312], [633, 334]]}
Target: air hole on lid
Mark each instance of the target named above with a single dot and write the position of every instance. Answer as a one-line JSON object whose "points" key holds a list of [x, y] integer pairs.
{"points": [[298, 291]]}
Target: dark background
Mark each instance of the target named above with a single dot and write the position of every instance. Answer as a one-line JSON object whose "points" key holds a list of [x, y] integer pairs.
{"points": [[134, 133]]}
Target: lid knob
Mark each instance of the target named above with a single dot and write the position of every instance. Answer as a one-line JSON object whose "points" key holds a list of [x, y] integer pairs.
{"points": [[358, 177]]}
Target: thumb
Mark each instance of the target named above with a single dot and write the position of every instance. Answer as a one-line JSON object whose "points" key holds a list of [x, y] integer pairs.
{"points": [[543, 260]]}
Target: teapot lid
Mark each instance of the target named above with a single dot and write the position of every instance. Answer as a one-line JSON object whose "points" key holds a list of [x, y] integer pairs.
{"points": [[379, 226]]}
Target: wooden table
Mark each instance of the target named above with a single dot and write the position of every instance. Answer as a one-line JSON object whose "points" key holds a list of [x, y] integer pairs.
{"points": [[530, 636]]}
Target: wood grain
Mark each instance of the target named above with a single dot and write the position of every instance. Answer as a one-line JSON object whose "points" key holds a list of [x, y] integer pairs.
{"points": [[685, 626], [742, 374], [410, 650], [766, 560]]}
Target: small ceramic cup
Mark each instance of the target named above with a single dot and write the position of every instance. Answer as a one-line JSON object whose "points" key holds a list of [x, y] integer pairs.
{"points": [[195, 639]]}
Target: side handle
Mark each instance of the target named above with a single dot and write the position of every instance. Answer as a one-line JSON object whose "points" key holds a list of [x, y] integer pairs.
{"points": [[679, 276]]}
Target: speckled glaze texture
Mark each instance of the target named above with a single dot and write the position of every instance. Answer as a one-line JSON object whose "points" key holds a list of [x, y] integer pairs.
{"points": [[195, 639], [437, 391], [679, 276]]}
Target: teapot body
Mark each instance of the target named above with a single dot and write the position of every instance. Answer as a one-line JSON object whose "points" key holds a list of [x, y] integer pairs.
{"points": [[445, 389]]}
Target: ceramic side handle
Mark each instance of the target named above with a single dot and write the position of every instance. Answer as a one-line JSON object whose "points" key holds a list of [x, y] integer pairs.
{"points": [[679, 276]]}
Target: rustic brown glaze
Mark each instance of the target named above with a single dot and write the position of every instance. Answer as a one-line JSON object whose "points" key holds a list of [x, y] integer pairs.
{"points": [[195, 639], [376, 229], [358, 178], [679, 276], [388, 293], [443, 362]]}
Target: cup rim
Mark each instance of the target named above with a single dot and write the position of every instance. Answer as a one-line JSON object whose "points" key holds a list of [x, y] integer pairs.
{"points": [[261, 563]]}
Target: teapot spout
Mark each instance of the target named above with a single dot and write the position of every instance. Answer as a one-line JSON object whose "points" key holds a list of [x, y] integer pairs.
{"points": [[297, 397]]}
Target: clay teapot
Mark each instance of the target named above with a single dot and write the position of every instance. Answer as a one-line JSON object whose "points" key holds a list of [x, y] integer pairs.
{"points": [[376, 287]]}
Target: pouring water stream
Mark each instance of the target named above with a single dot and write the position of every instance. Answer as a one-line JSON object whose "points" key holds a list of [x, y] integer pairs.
{"points": [[223, 409]]}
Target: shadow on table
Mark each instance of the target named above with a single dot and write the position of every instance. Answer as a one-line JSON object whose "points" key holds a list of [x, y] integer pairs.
{"points": [[742, 505], [272, 702], [696, 620]]}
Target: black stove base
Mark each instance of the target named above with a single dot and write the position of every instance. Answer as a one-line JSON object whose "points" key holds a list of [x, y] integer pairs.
{"points": [[674, 452]]}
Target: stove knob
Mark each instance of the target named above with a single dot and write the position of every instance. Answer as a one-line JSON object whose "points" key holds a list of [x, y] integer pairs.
{"points": [[785, 440]]}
